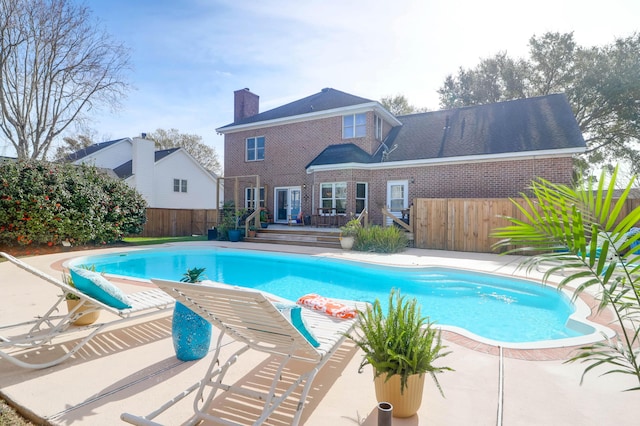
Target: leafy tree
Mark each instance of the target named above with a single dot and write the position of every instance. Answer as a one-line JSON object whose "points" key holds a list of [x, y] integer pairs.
{"points": [[71, 145], [399, 105], [46, 203], [56, 64], [204, 154], [601, 84], [586, 236]]}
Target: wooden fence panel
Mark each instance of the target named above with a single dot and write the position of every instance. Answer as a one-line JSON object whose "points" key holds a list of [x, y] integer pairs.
{"points": [[178, 222], [466, 224]]}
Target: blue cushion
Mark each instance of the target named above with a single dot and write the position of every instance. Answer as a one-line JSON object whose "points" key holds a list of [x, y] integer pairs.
{"points": [[97, 286], [293, 313]]}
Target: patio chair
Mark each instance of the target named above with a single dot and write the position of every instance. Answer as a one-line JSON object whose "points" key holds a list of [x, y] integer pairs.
{"points": [[253, 319], [54, 324]]}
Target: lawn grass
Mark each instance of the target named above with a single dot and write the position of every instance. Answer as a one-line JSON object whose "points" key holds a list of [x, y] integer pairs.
{"points": [[144, 241]]}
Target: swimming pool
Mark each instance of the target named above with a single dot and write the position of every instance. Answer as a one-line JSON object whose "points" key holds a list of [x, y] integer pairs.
{"points": [[490, 308]]}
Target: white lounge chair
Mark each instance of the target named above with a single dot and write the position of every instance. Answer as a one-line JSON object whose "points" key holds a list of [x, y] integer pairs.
{"points": [[250, 317], [43, 330]]}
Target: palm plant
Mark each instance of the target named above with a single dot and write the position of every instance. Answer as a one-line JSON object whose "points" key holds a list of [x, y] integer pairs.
{"points": [[582, 232], [193, 275]]}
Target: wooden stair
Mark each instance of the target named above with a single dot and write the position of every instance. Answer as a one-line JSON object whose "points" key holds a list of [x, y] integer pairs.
{"points": [[301, 236]]}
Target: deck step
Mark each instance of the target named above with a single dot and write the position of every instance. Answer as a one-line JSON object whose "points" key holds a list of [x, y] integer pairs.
{"points": [[302, 236]]}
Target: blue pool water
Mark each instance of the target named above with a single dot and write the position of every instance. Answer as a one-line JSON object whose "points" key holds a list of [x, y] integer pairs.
{"points": [[491, 306]]}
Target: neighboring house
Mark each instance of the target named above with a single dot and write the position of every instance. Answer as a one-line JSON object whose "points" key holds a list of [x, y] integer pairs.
{"points": [[341, 151], [169, 178]]}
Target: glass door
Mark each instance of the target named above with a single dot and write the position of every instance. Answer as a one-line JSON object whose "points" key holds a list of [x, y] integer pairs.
{"points": [[397, 197], [287, 203]]}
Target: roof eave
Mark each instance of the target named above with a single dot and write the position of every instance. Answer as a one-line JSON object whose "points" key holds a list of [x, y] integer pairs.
{"points": [[565, 152], [369, 106]]}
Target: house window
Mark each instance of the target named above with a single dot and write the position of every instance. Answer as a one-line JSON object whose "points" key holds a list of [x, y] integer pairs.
{"points": [[249, 197], [354, 126], [361, 196], [378, 129], [334, 195], [255, 149], [179, 185]]}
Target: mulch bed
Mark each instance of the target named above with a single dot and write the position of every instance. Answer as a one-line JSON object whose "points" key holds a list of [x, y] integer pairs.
{"points": [[37, 250]]}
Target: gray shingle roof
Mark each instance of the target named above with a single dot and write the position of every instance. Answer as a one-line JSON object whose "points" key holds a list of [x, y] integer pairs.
{"points": [[326, 99], [125, 170], [342, 153], [524, 125], [532, 124], [91, 149]]}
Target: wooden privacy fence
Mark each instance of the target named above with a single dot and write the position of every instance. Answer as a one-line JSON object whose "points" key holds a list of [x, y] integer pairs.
{"points": [[178, 222], [465, 224]]}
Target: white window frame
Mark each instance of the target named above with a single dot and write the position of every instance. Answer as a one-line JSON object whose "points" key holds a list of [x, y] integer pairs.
{"points": [[365, 199], [179, 185], [332, 201], [378, 127], [355, 129], [255, 150]]}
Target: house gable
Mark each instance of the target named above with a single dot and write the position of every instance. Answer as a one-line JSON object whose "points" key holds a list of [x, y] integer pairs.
{"points": [[327, 102], [103, 154]]}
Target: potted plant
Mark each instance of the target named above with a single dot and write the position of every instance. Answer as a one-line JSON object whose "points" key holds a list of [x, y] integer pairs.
{"points": [[264, 218], [348, 233], [190, 332], [402, 347], [252, 232], [73, 301]]}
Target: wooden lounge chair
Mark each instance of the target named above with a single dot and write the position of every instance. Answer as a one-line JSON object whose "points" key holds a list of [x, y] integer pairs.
{"points": [[252, 318], [44, 330]]}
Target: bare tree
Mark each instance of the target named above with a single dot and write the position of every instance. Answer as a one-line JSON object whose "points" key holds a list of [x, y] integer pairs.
{"points": [[56, 64], [204, 154]]}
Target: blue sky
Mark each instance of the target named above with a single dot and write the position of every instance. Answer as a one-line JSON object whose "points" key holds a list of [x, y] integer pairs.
{"points": [[190, 55]]}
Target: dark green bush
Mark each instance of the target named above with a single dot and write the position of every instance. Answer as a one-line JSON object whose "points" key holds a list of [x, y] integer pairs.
{"points": [[47, 203], [379, 239]]}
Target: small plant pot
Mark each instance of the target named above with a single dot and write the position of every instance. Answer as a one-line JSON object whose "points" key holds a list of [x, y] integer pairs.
{"points": [[405, 404], [252, 233], [347, 242], [264, 225], [85, 319]]}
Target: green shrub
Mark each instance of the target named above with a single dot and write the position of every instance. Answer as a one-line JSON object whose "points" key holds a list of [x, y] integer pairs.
{"points": [[47, 203], [379, 239]]}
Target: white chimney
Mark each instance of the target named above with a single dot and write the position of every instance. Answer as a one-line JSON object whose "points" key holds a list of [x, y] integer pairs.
{"points": [[142, 167]]}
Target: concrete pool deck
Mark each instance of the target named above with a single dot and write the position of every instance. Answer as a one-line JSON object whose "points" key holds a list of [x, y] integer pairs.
{"points": [[133, 369]]}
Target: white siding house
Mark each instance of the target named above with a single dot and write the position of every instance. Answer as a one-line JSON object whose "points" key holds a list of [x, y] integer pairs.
{"points": [[169, 178]]}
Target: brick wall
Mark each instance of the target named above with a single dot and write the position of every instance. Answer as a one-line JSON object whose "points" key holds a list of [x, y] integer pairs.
{"points": [[290, 148]]}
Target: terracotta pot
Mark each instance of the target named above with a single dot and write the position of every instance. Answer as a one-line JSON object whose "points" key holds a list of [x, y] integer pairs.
{"points": [[85, 319], [406, 404], [251, 233]]}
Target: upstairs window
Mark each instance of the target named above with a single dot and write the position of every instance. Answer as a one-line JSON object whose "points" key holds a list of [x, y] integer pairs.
{"points": [[255, 149], [378, 129], [179, 185], [354, 126]]}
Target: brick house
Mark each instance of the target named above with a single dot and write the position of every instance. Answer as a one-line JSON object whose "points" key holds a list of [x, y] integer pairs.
{"points": [[342, 152]]}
